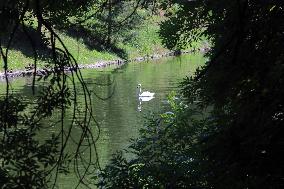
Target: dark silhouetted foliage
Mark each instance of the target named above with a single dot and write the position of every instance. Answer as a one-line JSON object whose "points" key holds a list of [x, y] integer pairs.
{"points": [[26, 160], [240, 143]]}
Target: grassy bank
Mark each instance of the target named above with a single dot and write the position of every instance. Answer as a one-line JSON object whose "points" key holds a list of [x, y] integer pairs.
{"points": [[144, 40], [141, 41]]}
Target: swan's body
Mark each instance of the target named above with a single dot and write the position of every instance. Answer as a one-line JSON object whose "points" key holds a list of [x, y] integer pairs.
{"points": [[145, 93], [143, 97]]}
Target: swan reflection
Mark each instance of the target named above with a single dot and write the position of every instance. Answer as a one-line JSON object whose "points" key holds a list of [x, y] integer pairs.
{"points": [[143, 99]]}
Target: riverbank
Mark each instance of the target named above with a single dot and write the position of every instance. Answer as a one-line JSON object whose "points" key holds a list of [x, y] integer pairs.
{"points": [[96, 65], [85, 47], [146, 45]]}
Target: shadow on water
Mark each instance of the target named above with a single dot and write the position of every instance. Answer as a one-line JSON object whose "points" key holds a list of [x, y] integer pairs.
{"points": [[95, 41]]}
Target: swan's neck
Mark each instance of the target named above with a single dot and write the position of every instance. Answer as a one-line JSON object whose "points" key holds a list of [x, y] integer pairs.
{"points": [[140, 90]]}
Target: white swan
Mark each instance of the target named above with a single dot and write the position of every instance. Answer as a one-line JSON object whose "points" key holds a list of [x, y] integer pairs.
{"points": [[145, 93]]}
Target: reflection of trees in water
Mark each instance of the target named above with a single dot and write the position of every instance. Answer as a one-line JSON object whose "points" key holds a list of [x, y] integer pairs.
{"points": [[109, 109]]}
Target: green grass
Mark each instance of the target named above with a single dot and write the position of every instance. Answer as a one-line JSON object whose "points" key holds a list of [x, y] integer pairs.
{"points": [[147, 42], [82, 54], [17, 60]]}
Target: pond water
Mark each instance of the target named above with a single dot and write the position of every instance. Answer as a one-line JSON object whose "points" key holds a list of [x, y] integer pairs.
{"points": [[122, 115]]}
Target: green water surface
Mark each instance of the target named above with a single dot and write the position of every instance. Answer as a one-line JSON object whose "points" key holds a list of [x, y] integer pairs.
{"points": [[121, 116]]}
